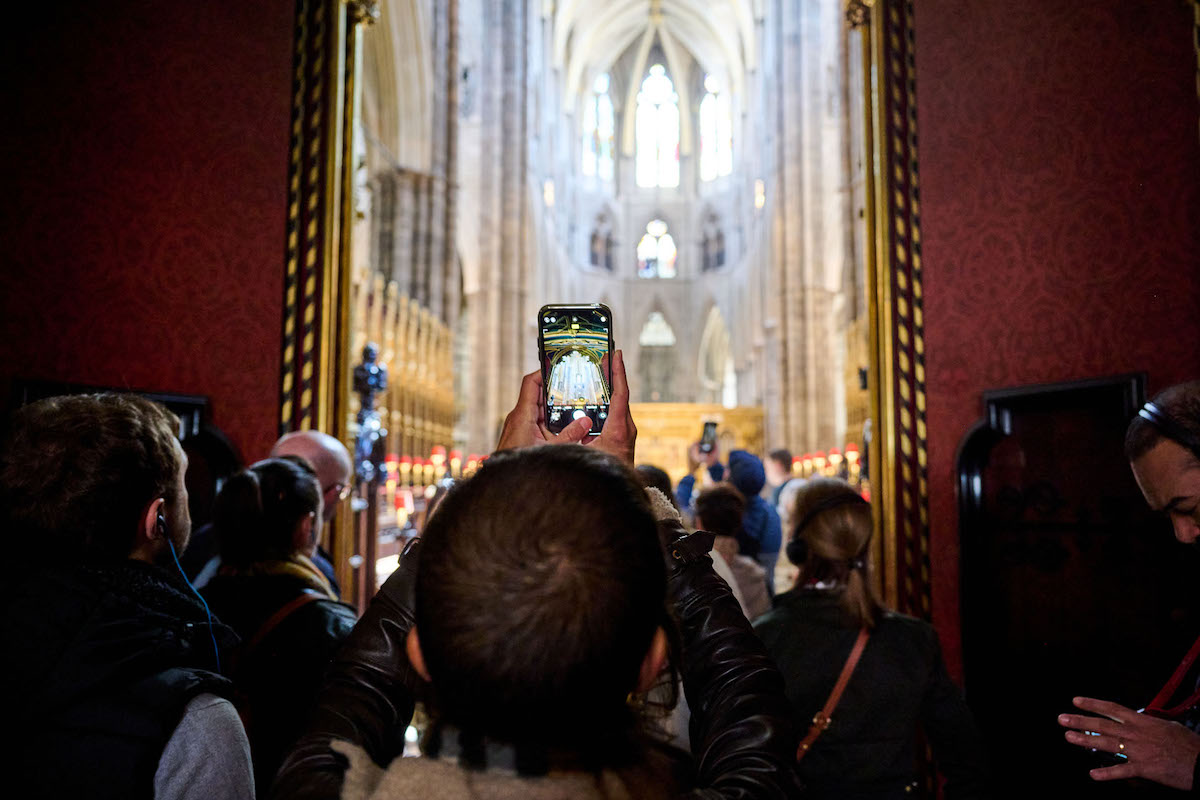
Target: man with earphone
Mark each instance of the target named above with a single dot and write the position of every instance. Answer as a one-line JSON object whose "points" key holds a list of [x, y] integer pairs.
{"points": [[1159, 742], [112, 678]]}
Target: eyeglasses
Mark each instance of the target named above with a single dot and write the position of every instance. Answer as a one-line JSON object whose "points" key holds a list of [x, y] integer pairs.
{"points": [[342, 489]]}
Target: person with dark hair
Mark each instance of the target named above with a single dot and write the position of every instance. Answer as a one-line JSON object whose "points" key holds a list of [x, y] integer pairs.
{"points": [[719, 511], [267, 520], [330, 460], [533, 621], [779, 475], [779, 471], [762, 534], [1158, 743], [832, 631], [658, 478], [111, 675], [713, 472]]}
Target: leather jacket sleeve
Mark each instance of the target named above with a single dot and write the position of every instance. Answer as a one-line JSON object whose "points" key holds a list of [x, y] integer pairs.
{"points": [[368, 695], [741, 731]]}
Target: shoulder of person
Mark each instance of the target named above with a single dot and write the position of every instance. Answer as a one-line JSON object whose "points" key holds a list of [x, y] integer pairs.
{"points": [[329, 615], [918, 631], [207, 755], [778, 615]]}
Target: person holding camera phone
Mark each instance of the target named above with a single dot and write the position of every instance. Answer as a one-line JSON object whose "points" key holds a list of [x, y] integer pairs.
{"points": [[1158, 743], [698, 456], [550, 589]]}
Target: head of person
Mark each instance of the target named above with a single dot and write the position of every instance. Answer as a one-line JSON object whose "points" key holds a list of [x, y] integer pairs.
{"points": [[779, 466], [719, 510], [746, 473], [536, 619], [656, 478], [329, 457], [829, 544], [268, 512], [1162, 444], [94, 479]]}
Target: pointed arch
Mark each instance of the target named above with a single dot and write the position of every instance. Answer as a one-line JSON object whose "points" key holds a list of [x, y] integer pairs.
{"points": [[657, 123], [658, 358], [714, 361], [657, 251]]}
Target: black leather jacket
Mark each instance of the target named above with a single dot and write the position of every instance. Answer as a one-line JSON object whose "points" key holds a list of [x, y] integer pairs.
{"points": [[743, 741]]}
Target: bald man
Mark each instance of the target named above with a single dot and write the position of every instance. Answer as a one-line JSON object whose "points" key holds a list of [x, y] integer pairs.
{"points": [[328, 456], [331, 461]]}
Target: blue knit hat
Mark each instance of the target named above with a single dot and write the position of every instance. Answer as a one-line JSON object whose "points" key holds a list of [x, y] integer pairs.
{"points": [[746, 472]]}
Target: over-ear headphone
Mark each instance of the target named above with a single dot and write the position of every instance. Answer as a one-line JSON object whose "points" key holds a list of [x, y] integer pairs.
{"points": [[1170, 427], [797, 546], [797, 550]]}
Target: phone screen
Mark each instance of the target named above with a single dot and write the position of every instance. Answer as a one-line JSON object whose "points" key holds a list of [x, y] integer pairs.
{"points": [[576, 376], [709, 438]]}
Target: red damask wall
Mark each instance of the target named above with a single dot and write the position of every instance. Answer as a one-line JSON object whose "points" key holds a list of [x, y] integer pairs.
{"points": [[142, 218], [1060, 198]]}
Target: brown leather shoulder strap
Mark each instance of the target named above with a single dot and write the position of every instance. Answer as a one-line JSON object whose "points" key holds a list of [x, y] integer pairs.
{"points": [[273, 622], [822, 719]]}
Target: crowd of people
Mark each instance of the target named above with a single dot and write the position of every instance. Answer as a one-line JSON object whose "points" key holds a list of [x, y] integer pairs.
{"points": [[556, 608]]}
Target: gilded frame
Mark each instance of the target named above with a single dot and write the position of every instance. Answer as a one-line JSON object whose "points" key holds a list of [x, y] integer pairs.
{"points": [[900, 481], [315, 365]]}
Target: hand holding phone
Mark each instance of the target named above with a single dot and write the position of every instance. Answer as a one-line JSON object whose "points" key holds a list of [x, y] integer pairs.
{"points": [[525, 425]]}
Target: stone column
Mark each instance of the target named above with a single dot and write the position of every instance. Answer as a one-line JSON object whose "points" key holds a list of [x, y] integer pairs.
{"points": [[402, 261]]}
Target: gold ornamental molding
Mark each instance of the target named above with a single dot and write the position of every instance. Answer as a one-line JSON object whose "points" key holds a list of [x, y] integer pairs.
{"points": [[858, 12], [899, 482], [314, 374], [325, 68]]}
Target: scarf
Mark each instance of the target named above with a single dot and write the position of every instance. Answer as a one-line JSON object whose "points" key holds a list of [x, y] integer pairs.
{"points": [[295, 566]]}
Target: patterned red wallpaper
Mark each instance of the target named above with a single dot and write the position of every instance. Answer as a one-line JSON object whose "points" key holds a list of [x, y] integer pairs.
{"points": [[1060, 187], [145, 160]]}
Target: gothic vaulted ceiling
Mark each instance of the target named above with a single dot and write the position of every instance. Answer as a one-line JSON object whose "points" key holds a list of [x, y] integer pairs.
{"points": [[590, 37]]}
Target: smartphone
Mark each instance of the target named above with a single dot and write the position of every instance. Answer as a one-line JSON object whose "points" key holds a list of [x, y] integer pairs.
{"points": [[573, 342], [708, 439]]}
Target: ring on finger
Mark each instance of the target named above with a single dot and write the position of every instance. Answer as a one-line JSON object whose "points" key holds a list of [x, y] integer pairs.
{"points": [[1121, 745]]}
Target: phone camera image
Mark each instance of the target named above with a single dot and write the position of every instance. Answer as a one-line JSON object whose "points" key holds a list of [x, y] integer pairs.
{"points": [[574, 346]]}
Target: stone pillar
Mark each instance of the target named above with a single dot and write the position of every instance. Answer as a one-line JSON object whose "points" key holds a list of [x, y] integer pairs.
{"points": [[447, 295], [791, 221], [420, 255], [402, 261], [442, 111], [383, 222]]}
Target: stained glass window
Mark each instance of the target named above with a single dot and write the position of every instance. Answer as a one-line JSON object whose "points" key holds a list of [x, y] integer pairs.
{"points": [[656, 252], [657, 130], [599, 129], [716, 132]]}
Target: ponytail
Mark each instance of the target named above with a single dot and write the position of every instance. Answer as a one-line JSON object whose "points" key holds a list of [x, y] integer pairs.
{"points": [[256, 513]]}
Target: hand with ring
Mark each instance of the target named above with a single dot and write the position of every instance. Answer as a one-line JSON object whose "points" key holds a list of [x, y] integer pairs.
{"points": [[1156, 749]]}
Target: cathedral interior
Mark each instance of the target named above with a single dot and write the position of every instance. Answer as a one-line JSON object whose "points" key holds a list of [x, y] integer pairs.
{"points": [[224, 202]]}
